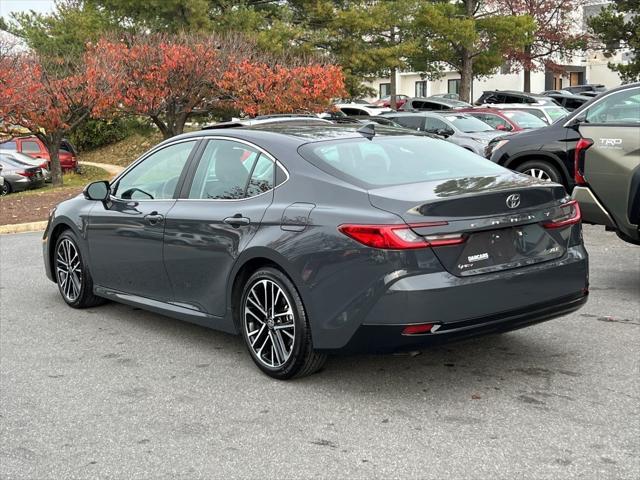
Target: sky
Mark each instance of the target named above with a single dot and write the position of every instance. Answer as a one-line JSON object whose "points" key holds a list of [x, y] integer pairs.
{"points": [[41, 6]]}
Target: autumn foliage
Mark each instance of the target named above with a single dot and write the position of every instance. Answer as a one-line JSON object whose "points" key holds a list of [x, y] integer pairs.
{"points": [[169, 78]]}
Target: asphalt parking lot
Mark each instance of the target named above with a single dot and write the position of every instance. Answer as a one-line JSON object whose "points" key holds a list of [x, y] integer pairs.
{"points": [[115, 392]]}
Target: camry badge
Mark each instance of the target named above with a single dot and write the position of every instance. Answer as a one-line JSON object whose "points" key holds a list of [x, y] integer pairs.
{"points": [[513, 200]]}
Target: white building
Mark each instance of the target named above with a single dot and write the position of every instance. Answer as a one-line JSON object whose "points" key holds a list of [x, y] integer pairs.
{"points": [[588, 67]]}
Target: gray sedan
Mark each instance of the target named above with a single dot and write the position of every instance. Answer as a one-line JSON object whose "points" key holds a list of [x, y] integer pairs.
{"points": [[308, 240], [459, 128], [19, 176]]}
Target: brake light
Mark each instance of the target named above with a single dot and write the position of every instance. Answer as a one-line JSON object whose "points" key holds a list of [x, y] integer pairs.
{"points": [[25, 173], [398, 237], [578, 160], [417, 329], [570, 215]]}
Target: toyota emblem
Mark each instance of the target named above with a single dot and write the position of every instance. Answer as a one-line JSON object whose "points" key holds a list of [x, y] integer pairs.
{"points": [[513, 200]]}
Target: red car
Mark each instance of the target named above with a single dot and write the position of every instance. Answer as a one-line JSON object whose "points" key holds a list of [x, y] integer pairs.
{"points": [[506, 120], [33, 147], [386, 101]]}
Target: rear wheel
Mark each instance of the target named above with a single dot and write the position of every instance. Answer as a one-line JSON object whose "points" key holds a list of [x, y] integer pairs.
{"points": [[541, 170], [72, 273], [6, 189], [275, 327]]}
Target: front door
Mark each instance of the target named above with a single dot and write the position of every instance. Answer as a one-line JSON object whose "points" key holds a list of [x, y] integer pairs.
{"points": [[125, 234], [613, 125], [218, 214]]}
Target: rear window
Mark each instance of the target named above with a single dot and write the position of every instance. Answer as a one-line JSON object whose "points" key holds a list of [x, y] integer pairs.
{"points": [[395, 160]]}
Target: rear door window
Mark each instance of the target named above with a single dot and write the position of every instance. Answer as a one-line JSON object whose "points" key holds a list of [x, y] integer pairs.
{"points": [[620, 108], [29, 146], [415, 122]]}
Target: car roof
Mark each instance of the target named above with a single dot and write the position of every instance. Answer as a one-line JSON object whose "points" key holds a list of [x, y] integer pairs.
{"points": [[517, 106], [440, 100]]}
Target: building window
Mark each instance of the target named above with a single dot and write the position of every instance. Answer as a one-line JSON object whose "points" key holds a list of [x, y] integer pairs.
{"points": [[421, 88], [453, 86], [385, 90]]}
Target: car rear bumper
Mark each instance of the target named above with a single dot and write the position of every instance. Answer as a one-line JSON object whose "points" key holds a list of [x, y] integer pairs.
{"points": [[389, 338], [592, 210], [467, 306]]}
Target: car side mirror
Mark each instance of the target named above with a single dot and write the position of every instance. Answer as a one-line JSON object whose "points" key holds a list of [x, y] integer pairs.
{"points": [[98, 191]]}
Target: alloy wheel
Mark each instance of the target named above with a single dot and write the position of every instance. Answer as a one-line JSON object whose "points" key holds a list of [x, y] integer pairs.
{"points": [[538, 173], [269, 323], [69, 270], [5, 189]]}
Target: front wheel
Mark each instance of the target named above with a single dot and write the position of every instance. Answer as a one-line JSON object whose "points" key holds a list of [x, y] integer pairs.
{"points": [[275, 327], [72, 273], [541, 170]]}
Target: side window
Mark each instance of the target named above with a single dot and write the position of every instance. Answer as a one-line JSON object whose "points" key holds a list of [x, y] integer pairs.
{"points": [[156, 177], [435, 124], [29, 146], [231, 170], [538, 114], [494, 120], [353, 111], [262, 177], [414, 122], [9, 146], [619, 108]]}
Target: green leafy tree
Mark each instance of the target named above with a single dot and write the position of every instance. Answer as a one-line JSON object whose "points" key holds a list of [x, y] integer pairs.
{"points": [[464, 36], [617, 27]]}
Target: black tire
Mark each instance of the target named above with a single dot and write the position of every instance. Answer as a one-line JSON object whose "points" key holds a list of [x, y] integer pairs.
{"points": [[6, 189], [551, 171], [302, 360], [84, 297]]}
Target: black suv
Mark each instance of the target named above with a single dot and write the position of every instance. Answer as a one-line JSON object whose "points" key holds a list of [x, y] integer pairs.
{"points": [[547, 153], [510, 96]]}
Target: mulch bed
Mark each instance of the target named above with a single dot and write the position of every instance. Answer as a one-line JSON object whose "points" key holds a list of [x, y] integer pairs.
{"points": [[34, 207]]}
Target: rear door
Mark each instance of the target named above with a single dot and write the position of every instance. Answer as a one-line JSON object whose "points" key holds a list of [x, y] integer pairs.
{"points": [[219, 211], [612, 164]]}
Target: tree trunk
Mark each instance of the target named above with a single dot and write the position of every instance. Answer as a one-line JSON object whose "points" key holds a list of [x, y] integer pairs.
{"points": [[527, 69], [392, 100], [466, 76], [52, 142]]}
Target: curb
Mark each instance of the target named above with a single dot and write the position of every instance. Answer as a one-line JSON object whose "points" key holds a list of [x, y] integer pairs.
{"points": [[23, 227]]}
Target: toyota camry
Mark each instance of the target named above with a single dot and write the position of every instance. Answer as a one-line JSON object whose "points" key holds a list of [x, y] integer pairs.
{"points": [[313, 239]]}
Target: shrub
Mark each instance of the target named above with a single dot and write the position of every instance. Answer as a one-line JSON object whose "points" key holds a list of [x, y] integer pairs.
{"points": [[97, 133]]}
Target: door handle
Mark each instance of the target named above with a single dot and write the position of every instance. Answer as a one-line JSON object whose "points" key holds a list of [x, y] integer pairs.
{"points": [[153, 218], [237, 220]]}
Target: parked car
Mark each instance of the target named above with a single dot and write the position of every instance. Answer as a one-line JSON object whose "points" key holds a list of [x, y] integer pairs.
{"points": [[511, 96], [546, 153], [326, 238], [567, 100], [548, 113], [432, 104], [34, 147], [588, 94], [607, 162], [386, 101], [458, 128], [19, 176], [505, 120], [362, 110], [291, 119], [34, 162], [588, 87]]}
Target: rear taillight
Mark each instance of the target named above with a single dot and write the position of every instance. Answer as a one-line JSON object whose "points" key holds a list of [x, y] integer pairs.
{"points": [[569, 215], [578, 160], [397, 237], [25, 173]]}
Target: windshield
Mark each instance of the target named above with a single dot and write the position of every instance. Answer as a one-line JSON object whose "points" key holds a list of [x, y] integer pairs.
{"points": [[524, 119], [469, 124], [557, 113], [395, 160]]}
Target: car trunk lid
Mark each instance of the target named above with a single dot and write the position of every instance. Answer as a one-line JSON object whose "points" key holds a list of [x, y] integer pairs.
{"points": [[501, 218]]}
